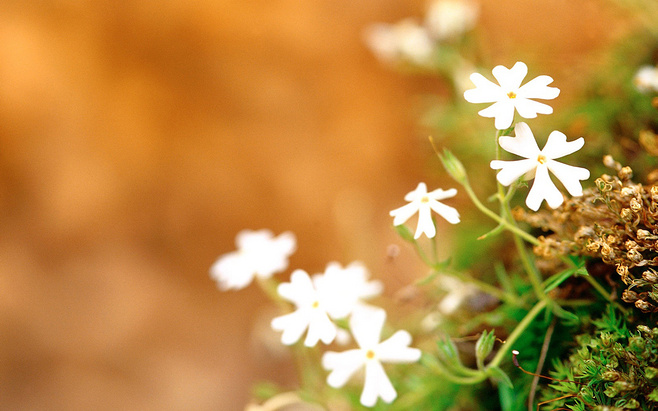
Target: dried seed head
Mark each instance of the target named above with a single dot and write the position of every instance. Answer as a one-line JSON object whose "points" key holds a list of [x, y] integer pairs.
{"points": [[636, 205], [626, 215], [634, 256], [650, 276], [629, 191], [643, 305], [630, 245], [602, 185], [610, 162], [629, 296], [626, 173], [654, 193], [643, 234]]}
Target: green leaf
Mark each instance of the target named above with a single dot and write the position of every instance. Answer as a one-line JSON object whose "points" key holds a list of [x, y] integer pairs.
{"points": [[499, 376], [557, 279]]}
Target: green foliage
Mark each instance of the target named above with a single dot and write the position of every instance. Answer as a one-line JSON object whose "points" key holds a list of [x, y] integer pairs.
{"points": [[610, 366]]}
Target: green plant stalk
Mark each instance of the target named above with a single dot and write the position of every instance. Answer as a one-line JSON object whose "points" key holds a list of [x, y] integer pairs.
{"points": [[503, 221], [506, 214], [502, 352], [520, 328]]}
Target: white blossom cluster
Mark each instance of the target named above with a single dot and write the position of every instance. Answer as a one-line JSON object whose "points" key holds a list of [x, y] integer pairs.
{"points": [[319, 300]]}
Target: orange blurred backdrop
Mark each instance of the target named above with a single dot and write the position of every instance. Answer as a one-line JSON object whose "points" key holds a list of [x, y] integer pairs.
{"points": [[137, 138]]}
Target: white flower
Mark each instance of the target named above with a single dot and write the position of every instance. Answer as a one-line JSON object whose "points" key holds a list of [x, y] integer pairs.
{"points": [[421, 202], [312, 312], [537, 163], [346, 287], [646, 79], [405, 40], [259, 254], [447, 19], [366, 326], [332, 295], [510, 95]]}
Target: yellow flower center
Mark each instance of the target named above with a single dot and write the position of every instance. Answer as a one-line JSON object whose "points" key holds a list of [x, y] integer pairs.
{"points": [[511, 94], [315, 304], [425, 199], [541, 158], [370, 354]]}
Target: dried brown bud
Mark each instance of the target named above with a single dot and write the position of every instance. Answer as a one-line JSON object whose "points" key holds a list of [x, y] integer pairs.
{"points": [[643, 305], [634, 256], [643, 234], [626, 173], [610, 162], [650, 276], [626, 215], [629, 191], [630, 244], [611, 375], [629, 296], [636, 205], [654, 193]]}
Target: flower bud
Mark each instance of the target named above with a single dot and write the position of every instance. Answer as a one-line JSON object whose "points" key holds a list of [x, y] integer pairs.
{"points": [[643, 234], [453, 166], [626, 173], [636, 205], [610, 162], [611, 375], [650, 276], [629, 296], [484, 345], [643, 305], [626, 215], [651, 372], [634, 256]]}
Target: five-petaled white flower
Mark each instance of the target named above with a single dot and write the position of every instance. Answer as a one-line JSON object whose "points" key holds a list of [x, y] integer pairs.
{"points": [[421, 202], [318, 300], [510, 95], [537, 163], [347, 287], [259, 254], [366, 326]]}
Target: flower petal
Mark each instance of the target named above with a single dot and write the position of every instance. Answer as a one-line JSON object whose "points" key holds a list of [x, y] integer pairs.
{"points": [[537, 88], [366, 325], [523, 144], [569, 176], [440, 194], [320, 327], [425, 223], [396, 349], [449, 213], [557, 145], [299, 290], [404, 213], [376, 385], [293, 325], [512, 170], [543, 189], [485, 92], [419, 192], [232, 271], [530, 108], [510, 79], [342, 365]]}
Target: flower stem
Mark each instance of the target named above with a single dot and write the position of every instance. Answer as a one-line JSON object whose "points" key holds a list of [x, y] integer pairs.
{"points": [[520, 328], [503, 221]]}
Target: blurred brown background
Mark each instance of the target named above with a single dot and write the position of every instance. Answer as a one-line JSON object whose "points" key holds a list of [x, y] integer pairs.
{"points": [[137, 138]]}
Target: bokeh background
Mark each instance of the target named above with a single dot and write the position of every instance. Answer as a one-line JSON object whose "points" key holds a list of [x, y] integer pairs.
{"points": [[138, 137]]}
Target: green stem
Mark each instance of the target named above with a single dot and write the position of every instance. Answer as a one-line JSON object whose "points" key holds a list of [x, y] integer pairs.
{"points": [[520, 328], [504, 222]]}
